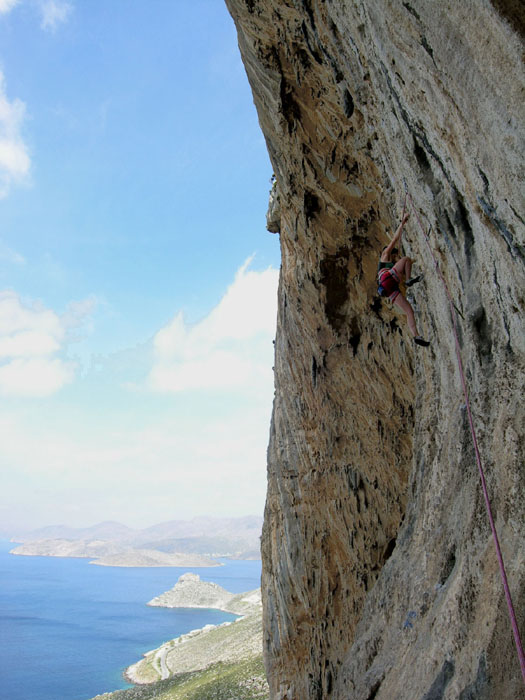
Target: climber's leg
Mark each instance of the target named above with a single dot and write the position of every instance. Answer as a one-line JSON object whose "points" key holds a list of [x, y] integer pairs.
{"points": [[406, 308], [403, 267]]}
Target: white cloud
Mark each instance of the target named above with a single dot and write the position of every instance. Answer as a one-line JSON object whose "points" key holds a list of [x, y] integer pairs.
{"points": [[15, 317], [140, 459], [27, 343], [14, 157], [7, 5], [231, 349], [54, 13], [31, 338], [39, 376], [15, 161]]}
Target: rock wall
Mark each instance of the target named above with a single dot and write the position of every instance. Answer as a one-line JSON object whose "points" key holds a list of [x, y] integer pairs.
{"points": [[380, 578]]}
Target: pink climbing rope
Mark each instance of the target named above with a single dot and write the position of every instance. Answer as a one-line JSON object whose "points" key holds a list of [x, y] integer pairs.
{"points": [[508, 596]]}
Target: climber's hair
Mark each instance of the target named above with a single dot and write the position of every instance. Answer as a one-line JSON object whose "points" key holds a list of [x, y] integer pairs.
{"points": [[394, 251]]}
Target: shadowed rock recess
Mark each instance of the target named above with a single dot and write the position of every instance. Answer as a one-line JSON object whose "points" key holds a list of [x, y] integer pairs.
{"points": [[380, 578]]}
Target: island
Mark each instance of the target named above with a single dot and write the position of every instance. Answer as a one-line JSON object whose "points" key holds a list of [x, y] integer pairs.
{"points": [[104, 553]]}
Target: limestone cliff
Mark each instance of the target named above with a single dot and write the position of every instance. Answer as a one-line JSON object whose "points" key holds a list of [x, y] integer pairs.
{"points": [[380, 578]]}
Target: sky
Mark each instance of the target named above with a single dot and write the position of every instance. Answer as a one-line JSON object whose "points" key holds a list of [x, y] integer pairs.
{"points": [[137, 281]]}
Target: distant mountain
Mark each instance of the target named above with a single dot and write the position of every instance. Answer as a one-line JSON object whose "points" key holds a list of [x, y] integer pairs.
{"points": [[67, 548], [234, 537], [248, 527], [211, 546], [108, 531], [110, 553]]}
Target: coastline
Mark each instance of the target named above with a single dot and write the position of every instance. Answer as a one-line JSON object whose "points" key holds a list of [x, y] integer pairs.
{"points": [[102, 602], [221, 661], [226, 643], [157, 657], [103, 553]]}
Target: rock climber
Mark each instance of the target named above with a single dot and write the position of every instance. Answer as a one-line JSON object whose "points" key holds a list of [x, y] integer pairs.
{"points": [[391, 272]]}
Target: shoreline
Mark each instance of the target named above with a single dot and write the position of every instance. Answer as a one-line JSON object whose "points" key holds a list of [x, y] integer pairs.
{"points": [[160, 653], [194, 651], [226, 655], [104, 554]]}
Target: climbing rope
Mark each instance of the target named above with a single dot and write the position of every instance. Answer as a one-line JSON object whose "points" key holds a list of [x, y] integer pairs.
{"points": [[508, 596]]}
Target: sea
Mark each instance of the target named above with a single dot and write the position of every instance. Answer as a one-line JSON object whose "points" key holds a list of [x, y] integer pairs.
{"points": [[68, 628]]}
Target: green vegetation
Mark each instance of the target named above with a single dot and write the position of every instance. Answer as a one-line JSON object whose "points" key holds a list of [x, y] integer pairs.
{"points": [[244, 680]]}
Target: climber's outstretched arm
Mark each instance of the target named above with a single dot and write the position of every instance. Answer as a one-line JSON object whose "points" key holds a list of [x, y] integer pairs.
{"points": [[387, 252]]}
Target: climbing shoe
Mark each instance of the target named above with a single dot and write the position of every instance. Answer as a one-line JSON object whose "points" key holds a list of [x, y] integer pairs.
{"points": [[420, 341], [414, 280]]}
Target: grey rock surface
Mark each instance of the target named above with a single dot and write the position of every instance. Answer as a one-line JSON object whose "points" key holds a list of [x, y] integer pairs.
{"points": [[380, 578]]}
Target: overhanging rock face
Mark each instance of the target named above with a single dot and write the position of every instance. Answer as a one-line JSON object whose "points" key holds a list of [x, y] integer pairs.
{"points": [[380, 578]]}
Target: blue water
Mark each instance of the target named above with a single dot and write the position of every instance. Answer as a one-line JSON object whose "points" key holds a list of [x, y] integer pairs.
{"points": [[68, 628]]}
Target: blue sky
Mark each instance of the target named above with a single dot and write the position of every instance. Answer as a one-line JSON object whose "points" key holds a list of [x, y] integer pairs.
{"points": [[137, 281]]}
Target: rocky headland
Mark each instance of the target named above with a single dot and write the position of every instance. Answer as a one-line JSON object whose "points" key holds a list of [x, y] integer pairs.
{"points": [[191, 592], [227, 656], [229, 642], [380, 575]]}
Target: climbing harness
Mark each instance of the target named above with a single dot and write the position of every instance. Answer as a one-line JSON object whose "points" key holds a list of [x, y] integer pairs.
{"points": [[388, 283], [453, 309]]}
